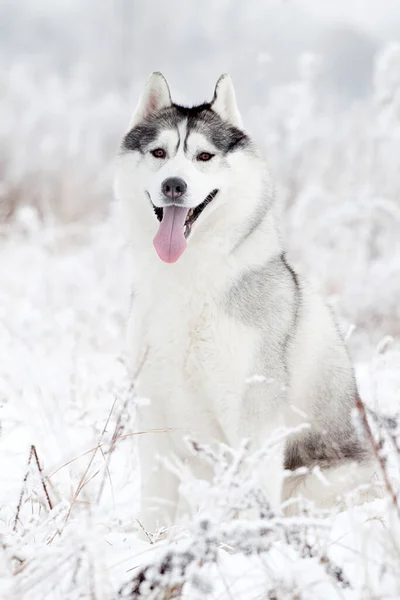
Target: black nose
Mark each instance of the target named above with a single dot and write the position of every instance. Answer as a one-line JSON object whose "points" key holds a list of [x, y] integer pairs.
{"points": [[173, 188]]}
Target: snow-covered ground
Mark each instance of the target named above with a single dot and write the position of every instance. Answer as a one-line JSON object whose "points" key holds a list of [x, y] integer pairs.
{"points": [[69, 480]]}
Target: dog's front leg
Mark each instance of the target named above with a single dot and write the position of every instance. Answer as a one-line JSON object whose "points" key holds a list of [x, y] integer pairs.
{"points": [[261, 427], [271, 468], [159, 486]]}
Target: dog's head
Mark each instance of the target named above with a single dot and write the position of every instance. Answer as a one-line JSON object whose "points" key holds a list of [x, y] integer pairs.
{"points": [[180, 165]]}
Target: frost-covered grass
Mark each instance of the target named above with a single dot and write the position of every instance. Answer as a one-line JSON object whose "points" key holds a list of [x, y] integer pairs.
{"points": [[68, 524]]}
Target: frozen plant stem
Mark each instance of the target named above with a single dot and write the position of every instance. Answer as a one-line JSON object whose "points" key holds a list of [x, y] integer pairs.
{"points": [[32, 453], [375, 447]]}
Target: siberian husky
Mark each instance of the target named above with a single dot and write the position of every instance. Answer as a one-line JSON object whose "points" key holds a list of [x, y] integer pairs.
{"points": [[216, 303]]}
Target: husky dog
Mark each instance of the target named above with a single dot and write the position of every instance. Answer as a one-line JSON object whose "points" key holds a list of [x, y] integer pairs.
{"points": [[216, 303]]}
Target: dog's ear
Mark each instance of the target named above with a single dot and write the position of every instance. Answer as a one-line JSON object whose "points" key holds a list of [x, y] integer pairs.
{"points": [[224, 101], [155, 96]]}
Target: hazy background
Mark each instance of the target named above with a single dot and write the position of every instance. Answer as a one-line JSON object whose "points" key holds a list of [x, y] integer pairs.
{"points": [[318, 85], [121, 41]]}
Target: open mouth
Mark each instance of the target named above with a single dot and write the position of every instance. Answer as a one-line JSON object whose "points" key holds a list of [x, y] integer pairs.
{"points": [[192, 215], [175, 226]]}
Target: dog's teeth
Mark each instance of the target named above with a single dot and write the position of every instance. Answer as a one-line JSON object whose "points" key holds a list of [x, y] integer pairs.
{"points": [[190, 212]]}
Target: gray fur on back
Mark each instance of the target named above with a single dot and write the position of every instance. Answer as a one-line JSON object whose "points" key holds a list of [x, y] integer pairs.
{"points": [[270, 298]]}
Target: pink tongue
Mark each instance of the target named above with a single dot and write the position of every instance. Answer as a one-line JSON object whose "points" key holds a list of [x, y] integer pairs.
{"points": [[169, 240]]}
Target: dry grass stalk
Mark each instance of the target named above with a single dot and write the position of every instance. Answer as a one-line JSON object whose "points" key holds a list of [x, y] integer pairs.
{"points": [[376, 447], [32, 454]]}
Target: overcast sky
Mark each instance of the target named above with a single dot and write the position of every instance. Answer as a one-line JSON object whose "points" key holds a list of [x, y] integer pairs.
{"points": [[123, 40], [380, 17]]}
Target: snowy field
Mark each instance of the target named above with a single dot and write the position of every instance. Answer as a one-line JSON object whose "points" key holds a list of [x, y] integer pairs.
{"points": [[69, 478]]}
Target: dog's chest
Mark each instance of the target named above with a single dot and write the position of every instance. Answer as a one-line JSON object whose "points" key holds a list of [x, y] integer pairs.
{"points": [[198, 356]]}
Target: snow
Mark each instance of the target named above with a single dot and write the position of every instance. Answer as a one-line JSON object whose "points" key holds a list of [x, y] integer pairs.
{"points": [[65, 383]]}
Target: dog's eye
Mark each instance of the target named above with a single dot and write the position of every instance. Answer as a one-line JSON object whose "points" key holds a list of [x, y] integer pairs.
{"points": [[204, 156], [159, 153]]}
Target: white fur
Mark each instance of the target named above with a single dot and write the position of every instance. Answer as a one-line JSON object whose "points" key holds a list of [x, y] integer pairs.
{"points": [[155, 96], [224, 102]]}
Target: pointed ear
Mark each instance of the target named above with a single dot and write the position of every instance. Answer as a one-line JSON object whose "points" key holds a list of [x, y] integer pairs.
{"points": [[224, 101], [155, 96]]}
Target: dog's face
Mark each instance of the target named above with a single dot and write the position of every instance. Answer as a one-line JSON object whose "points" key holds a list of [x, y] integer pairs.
{"points": [[178, 164]]}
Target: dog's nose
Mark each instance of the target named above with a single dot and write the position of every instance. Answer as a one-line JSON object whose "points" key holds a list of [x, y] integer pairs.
{"points": [[173, 188]]}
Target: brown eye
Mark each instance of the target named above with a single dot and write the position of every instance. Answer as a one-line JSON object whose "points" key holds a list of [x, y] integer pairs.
{"points": [[204, 156], [159, 153]]}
